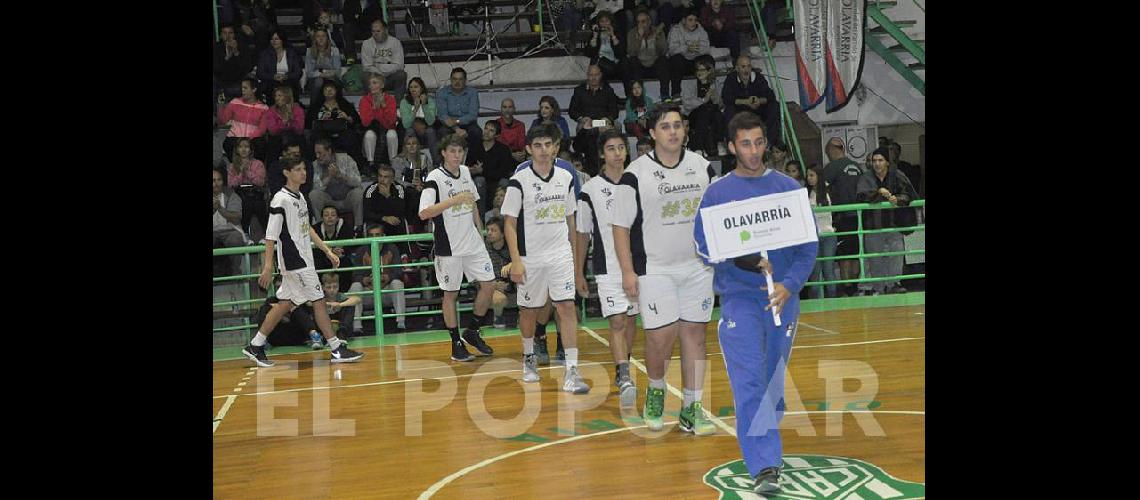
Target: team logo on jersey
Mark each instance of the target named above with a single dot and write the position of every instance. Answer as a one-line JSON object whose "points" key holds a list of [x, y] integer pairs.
{"points": [[536, 186], [666, 188], [606, 191], [487, 267], [816, 477], [706, 303], [659, 175], [448, 182], [690, 172], [730, 323], [569, 286]]}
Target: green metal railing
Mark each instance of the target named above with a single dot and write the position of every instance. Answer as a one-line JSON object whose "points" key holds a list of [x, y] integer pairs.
{"points": [[375, 244]]}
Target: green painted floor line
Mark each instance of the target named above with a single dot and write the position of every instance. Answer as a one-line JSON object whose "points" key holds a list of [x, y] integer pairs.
{"points": [[427, 337]]}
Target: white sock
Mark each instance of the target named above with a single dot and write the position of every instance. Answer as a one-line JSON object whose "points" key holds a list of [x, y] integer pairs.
{"points": [[528, 346], [571, 357], [690, 396], [334, 343], [259, 339], [657, 384]]}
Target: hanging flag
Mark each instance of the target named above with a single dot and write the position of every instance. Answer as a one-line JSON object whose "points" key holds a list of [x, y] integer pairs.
{"points": [[846, 20], [811, 28]]}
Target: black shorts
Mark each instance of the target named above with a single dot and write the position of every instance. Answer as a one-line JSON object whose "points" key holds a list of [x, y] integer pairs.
{"points": [[848, 244]]}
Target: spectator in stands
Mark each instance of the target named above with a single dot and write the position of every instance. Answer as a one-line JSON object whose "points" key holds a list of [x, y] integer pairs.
{"points": [[227, 216], [605, 48], [284, 117], [585, 148], [279, 65], [413, 157], [492, 159], [334, 117], [645, 54], [496, 205], [672, 12], [243, 115], [246, 176], [824, 270], [256, 21], [325, 20], [378, 116], [912, 172], [322, 64], [884, 183], [565, 15], [513, 132], [332, 227], [459, 108], [592, 100], [414, 179], [389, 253], [291, 150], [644, 145], [500, 261], [702, 106], [719, 20], [384, 203], [549, 111], [747, 90], [336, 182], [687, 41], [341, 307], [418, 116], [614, 9], [358, 17], [384, 55], [841, 176], [231, 64], [637, 105], [794, 170]]}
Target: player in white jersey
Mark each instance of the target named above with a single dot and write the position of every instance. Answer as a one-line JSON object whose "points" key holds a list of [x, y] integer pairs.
{"points": [[595, 215], [288, 231], [656, 205], [538, 213], [448, 199]]}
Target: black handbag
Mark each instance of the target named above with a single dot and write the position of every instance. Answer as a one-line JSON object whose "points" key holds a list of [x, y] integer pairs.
{"points": [[333, 126]]}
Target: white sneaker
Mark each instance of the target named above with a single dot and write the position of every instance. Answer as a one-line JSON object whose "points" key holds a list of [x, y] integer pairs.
{"points": [[573, 382], [530, 368]]}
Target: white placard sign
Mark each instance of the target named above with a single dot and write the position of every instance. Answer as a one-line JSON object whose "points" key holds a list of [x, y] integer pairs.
{"points": [[767, 222]]}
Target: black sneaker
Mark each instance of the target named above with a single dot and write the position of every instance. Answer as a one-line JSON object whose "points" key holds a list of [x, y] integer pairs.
{"points": [[560, 355], [343, 354], [473, 339], [541, 353], [257, 355], [767, 481], [459, 353]]}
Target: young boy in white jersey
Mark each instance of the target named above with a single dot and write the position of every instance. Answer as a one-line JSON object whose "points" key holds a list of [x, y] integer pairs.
{"points": [[654, 211], [539, 215], [289, 232], [448, 199], [595, 215]]}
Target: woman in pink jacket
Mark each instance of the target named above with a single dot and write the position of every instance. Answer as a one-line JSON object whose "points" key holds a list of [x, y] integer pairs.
{"points": [[285, 117], [246, 176], [243, 115], [378, 117]]}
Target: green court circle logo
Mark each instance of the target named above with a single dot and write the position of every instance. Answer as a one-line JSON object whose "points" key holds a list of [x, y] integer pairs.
{"points": [[816, 477]]}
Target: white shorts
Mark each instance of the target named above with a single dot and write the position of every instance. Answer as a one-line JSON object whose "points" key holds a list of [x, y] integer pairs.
{"points": [[449, 270], [613, 297], [300, 286], [546, 277], [666, 298]]}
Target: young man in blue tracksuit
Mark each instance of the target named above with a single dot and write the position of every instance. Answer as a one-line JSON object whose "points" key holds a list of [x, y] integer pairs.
{"points": [[756, 351]]}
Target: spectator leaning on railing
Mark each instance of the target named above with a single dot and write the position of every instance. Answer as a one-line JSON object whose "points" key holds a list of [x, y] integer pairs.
{"points": [[885, 183]]}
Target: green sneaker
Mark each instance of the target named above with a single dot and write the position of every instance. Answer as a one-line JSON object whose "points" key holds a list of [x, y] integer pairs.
{"points": [[654, 408], [693, 420]]}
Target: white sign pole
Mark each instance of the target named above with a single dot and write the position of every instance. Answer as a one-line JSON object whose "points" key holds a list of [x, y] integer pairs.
{"points": [[771, 289]]}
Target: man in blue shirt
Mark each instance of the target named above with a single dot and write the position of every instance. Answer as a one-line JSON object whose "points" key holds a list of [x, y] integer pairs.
{"points": [[458, 108], [756, 351]]}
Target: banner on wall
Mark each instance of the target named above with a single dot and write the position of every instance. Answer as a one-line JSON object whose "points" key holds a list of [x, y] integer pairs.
{"points": [[811, 63], [845, 21]]}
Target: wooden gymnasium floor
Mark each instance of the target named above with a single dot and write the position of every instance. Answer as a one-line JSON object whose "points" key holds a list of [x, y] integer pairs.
{"points": [[562, 454]]}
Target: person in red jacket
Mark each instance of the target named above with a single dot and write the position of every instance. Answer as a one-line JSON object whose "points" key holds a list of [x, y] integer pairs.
{"points": [[378, 116]]}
